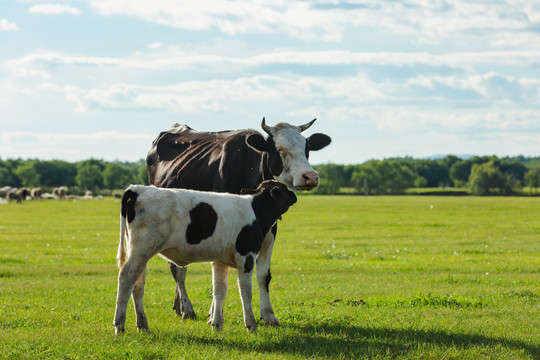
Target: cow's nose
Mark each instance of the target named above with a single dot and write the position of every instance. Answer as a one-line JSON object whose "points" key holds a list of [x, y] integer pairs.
{"points": [[311, 178]]}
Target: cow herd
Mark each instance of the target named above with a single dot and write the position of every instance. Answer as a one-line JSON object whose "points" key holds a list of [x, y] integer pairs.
{"points": [[17, 195]]}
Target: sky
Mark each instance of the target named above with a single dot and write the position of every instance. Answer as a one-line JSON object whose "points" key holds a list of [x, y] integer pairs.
{"points": [[101, 79]]}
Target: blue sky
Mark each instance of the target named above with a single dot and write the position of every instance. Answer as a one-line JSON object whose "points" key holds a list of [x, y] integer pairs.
{"points": [[101, 78]]}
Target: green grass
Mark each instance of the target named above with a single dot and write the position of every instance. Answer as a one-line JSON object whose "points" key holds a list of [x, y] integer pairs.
{"points": [[353, 277]]}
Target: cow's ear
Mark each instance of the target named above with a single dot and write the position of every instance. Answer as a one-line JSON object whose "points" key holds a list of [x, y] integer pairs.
{"points": [[275, 192], [258, 143], [318, 141]]}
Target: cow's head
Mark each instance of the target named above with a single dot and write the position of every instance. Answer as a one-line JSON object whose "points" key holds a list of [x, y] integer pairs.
{"points": [[287, 153]]}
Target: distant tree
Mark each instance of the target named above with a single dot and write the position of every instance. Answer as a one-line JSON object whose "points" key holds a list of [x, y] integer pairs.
{"points": [[28, 174], [332, 177], [383, 177], [56, 173], [89, 175], [7, 177], [532, 179], [116, 176], [420, 182], [140, 174], [486, 177]]}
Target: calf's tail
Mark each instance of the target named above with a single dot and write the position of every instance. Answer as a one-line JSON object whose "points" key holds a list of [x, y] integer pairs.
{"points": [[121, 256], [127, 214]]}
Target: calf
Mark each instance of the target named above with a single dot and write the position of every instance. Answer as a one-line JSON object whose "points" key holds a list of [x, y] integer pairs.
{"points": [[186, 226]]}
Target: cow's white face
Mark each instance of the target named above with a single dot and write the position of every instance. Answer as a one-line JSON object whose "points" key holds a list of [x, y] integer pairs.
{"points": [[291, 146], [288, 153]]}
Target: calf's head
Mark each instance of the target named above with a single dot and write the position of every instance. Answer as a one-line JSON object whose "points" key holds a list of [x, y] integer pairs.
{"points": [[287, 152], [279, 194]]}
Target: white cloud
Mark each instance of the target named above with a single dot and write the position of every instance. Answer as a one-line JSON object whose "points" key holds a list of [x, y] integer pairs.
{"points": [[155, 45], [463, 60], [6, 25], [426, 21], [54, 9]]}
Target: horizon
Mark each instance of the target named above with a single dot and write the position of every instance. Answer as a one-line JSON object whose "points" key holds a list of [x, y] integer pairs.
{"points": [[101, 79]]}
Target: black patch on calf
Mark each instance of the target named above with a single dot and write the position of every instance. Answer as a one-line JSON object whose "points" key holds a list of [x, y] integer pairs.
{"points": [[203, 223], [267, 281], [248, 264], [128, 205], [249, 239]]}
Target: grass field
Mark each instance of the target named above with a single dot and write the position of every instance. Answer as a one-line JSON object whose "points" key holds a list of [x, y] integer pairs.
{"points": [[353, 277]]}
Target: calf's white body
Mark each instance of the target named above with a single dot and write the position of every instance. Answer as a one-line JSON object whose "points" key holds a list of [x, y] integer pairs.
{"points": [[186, 226]]}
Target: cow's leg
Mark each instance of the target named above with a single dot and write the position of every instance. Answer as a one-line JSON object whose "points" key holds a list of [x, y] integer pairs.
{"points": [[137, 296], [127, 277], [244, 284], [181, 305], [219, 285], [264, 277]]}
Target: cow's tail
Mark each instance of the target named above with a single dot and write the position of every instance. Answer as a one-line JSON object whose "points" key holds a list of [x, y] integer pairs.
{"points": [[127, 214]]}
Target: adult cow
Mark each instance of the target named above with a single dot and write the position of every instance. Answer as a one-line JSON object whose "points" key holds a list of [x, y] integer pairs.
{"points": [[229, 161]]}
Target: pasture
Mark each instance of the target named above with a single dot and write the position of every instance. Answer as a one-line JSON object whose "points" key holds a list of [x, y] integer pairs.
{"points": [[353, 277]]}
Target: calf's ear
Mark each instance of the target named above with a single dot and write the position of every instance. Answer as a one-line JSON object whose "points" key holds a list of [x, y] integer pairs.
{"points": [[318, 141], [258, 143], [275, 192]]}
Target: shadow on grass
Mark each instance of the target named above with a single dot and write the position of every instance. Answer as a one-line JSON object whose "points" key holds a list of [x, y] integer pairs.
{"points": [[337, 340]]}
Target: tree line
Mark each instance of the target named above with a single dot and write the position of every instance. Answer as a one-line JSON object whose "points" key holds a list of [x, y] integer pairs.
{"points": [[94, 175], [479, 175]]}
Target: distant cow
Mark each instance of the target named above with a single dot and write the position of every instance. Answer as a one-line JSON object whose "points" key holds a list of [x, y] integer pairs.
{"points": [[228, 161], [35, 193], [14, 196], [186, 226], [59, 192], [4, 191], [23, 192]]}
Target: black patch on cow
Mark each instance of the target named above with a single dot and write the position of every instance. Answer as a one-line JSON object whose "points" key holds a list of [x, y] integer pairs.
{"points": [[128, 205], [174, 269], [274, 230], [248, 265], [274, 162], [203, 223], [267, 281], [249, 239]]}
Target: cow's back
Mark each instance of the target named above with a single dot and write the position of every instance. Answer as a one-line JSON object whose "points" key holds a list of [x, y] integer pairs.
{"points": [[207, 161]]}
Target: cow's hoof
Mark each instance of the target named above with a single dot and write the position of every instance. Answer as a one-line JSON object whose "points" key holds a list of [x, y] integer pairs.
{"points": [[188, 315], [119, 331], [217, 327]]}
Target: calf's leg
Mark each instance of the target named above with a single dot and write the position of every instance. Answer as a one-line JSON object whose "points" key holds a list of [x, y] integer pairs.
{"points": [[244, 284], [220, 288], [127, 277], [182, 304], [264, 277], [137, 296]]}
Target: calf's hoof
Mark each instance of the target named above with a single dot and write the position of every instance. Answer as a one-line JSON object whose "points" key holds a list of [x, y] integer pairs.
{"points": [[252, 328], [271, 321]]}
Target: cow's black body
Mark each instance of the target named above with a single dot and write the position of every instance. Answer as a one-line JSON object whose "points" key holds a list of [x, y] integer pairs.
{"points": [[206, 161], [229, 161]]}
